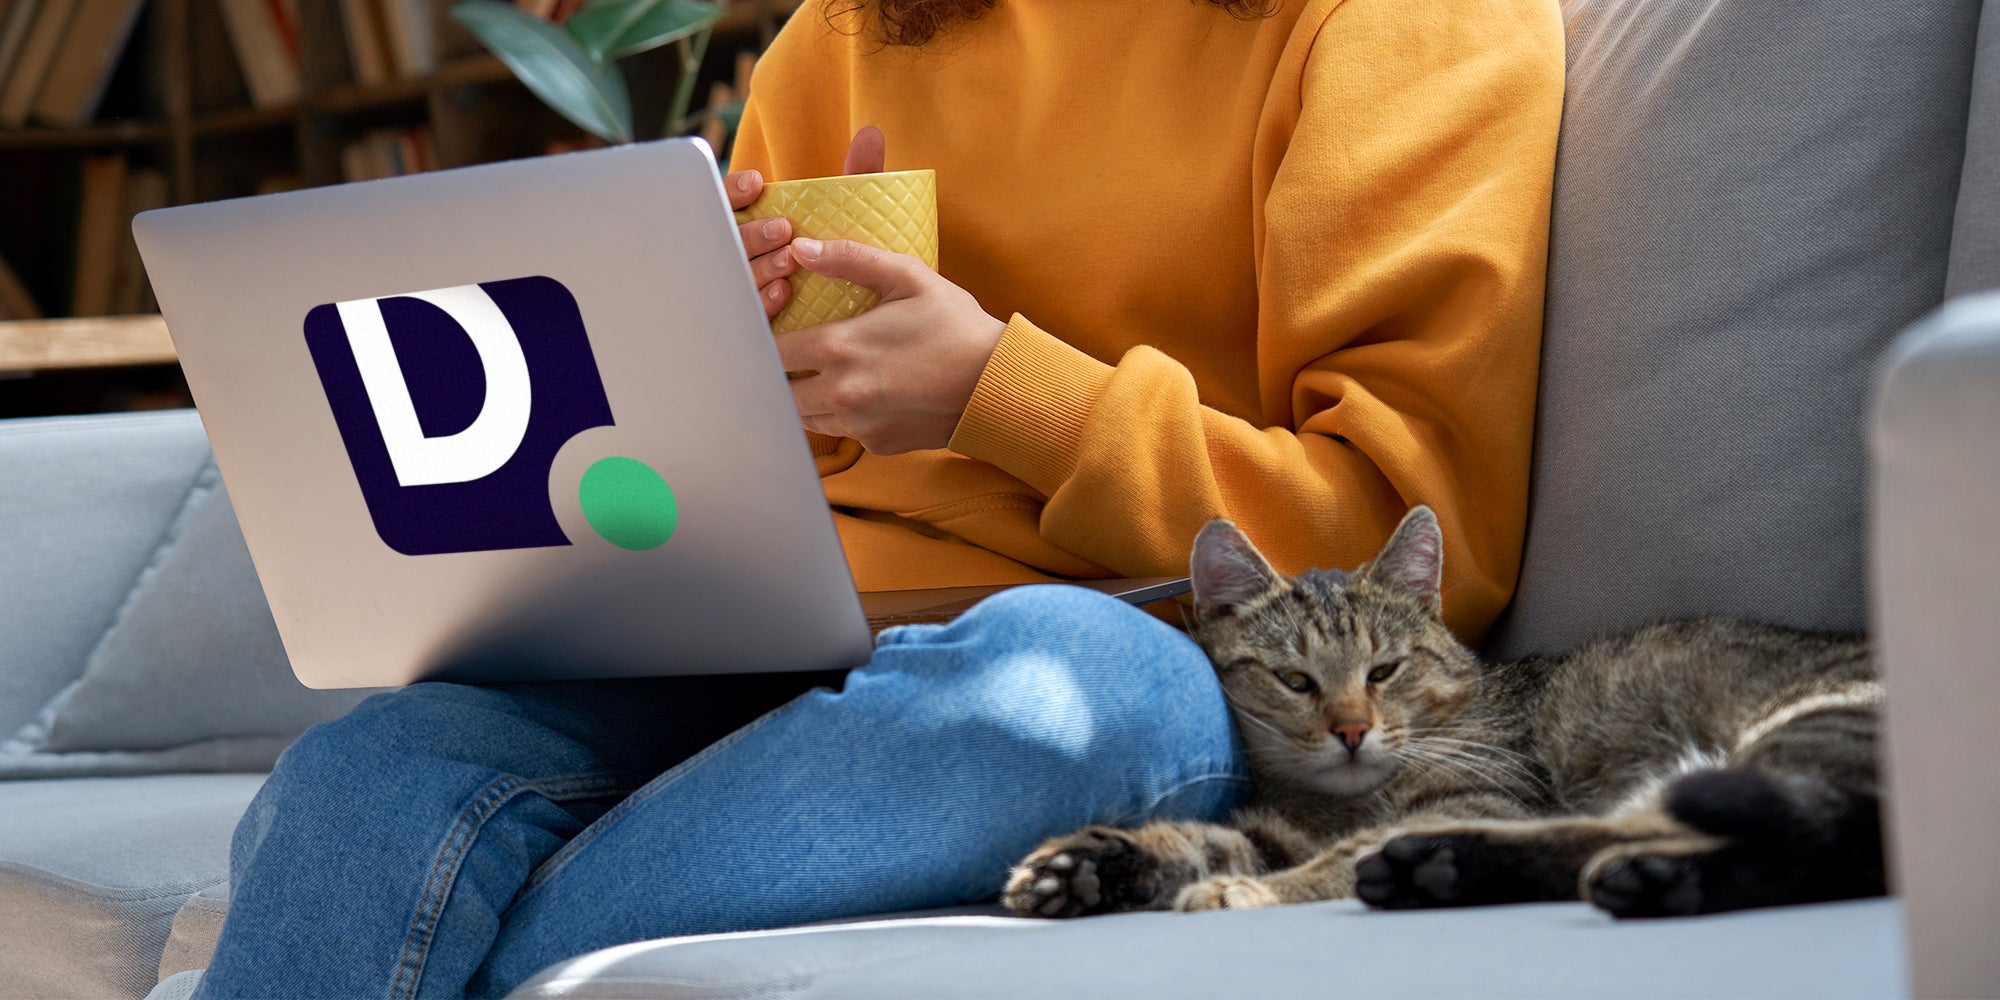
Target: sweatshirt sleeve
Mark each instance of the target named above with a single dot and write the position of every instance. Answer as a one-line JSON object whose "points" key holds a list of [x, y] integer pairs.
{"points": [[788, 139], [1401, 237]]}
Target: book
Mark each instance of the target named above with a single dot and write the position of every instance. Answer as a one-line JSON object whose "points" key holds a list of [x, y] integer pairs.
{"points": [[101, 222], [15, 302], [367, 48], [14, 23], [145, 190], [24, 81], [409, 30], [388, 152], [285, 13], [90, 50], [258, 39]]}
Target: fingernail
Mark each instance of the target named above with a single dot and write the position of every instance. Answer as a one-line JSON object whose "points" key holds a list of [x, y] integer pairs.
{"points": [[743, 180], [773, 292], [809, 249], [774, 229]]}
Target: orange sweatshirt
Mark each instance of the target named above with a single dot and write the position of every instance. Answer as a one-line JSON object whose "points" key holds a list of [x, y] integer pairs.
{"points": [[1286, 270]]}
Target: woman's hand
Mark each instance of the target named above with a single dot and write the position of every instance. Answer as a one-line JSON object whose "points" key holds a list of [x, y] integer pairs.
{"points": [[896, 378], [764, 241], [764, 238]]}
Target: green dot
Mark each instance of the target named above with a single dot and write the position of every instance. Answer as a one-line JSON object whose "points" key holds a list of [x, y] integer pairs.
{"points": [[628, 503]]}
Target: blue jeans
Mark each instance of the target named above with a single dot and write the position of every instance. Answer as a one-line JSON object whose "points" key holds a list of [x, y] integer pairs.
{"points": [[445, 839]]}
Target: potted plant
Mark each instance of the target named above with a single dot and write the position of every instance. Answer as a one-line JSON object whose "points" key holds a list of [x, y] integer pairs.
{"points": [[572, 67]]}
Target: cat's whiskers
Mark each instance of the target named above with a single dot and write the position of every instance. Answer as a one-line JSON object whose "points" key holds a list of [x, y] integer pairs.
{"points": [[1502, 765], [1243, 715], [1480, 769], [1524, 759]]}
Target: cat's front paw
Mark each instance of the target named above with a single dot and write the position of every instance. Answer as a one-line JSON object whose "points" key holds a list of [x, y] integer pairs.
{"points": [[1460, 868], [1098, 869], [1409, 873], [1646, 884], [1226, 892]]}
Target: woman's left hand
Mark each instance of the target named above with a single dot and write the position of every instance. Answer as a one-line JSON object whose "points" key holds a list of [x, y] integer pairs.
{"points": [[896, 378]]}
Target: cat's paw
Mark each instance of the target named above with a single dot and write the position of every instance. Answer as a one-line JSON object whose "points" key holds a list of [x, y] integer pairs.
{"points": [[1427, 869], [1098, 869], [1646, 884], [1226, 892], [1408, 873]]}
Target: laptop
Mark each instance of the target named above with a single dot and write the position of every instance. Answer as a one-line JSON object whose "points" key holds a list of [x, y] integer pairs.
{"points": [[520, 421]]}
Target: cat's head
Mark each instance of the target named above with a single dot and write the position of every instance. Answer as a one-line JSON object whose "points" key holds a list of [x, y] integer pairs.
{"points": [[1332, 673]]}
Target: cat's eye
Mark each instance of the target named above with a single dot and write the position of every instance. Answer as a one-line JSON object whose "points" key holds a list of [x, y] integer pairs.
{"points": [[1297, 682], [1383, 672]]}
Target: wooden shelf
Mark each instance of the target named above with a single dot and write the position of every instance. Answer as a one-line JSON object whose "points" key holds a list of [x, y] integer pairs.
{"points": [[130, 133], [33, 345], [245, 120]]}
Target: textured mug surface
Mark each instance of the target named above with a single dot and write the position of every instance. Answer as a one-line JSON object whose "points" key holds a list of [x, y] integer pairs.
{"points": [[896, 211]]}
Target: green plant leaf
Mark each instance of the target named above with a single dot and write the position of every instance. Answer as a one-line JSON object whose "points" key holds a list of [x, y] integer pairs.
{"points": [[619, 28], [553, 66]]}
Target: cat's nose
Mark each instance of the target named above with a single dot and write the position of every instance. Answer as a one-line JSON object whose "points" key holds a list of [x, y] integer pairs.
{"points": [[1351, 734]]}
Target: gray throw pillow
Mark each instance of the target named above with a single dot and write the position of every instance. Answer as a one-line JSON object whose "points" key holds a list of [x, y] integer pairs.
{"points": [[192, 665], [1752, 197], [85, 501]]}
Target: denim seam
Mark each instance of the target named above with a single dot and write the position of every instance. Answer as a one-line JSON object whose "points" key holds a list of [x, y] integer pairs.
{"points": [[577, 843], [1172, 791], [451, 856]]}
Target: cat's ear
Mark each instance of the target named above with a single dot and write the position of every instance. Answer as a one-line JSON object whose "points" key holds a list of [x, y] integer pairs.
{"points": [[1412, 564], [1228, 571]]}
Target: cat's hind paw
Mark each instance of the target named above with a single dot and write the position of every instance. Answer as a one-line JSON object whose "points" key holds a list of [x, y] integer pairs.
{"points": [[1227, 892], [1098, 869]]}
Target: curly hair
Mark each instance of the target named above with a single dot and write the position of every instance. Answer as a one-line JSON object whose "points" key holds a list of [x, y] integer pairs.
{"points": [[915, 22]]}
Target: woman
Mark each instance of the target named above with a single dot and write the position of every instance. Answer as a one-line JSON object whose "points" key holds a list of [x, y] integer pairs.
{"points": [[1283, 266]]}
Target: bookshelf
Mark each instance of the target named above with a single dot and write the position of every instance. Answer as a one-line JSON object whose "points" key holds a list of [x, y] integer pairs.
{"points": [[179, 105]]}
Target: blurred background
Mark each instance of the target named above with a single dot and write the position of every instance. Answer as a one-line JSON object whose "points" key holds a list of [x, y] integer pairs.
{"points": [[112, 107]]}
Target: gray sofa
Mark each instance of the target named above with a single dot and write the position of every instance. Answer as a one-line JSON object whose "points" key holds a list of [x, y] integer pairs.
{"points": [[1754, 197]]}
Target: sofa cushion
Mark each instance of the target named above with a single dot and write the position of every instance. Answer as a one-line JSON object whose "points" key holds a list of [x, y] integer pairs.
{"points": [[1975, 238], [87, 499], [1327, 949], [92, 871], [193, 657], [1751, 198], [197, 926]]}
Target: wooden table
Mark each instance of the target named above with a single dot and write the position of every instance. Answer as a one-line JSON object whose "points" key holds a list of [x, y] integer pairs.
{"points": [[91, 342]]}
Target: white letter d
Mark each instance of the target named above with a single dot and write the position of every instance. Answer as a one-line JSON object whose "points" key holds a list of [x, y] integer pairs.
{"points": [[492, 437]]}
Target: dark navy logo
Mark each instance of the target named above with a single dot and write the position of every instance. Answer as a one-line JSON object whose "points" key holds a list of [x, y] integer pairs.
{"points": [[453, 403]]}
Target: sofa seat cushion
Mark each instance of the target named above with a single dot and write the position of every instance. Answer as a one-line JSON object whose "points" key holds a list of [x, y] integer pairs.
{"points": [[197, 926], [1327, 949], [92, 871]]}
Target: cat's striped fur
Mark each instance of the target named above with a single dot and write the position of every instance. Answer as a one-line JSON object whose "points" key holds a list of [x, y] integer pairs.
{"points": [[1689, 767]]}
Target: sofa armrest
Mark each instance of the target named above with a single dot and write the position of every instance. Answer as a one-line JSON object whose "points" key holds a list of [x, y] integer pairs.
{"points": [[1935, 564]]}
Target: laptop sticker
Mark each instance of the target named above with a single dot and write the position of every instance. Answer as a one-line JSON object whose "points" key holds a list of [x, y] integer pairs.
{"points": [[452, 404]]}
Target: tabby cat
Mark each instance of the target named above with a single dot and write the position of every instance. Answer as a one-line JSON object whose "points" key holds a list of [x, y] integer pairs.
{"points": [[1685, 768]]}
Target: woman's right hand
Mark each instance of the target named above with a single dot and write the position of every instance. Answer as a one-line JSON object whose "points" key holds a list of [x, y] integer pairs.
{"points": [[766, 241]]}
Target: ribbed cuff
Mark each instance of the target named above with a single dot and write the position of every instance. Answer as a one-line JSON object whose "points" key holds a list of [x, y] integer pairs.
{"points": [[1029, 409], [822, 444]]}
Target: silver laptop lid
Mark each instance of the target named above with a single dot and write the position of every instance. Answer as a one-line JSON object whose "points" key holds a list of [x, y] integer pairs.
{"points": [[510, 422]]}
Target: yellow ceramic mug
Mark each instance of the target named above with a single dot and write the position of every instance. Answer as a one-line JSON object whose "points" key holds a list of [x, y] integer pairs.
{"points": [[896, 211]]}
